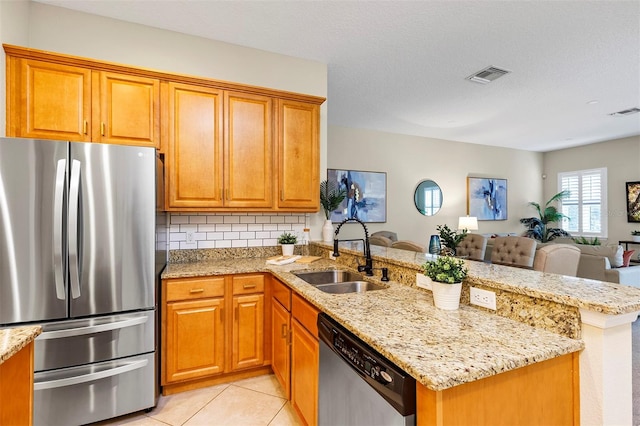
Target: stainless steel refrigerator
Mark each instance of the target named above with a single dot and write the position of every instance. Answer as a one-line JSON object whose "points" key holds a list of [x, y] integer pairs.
{"points": [[81, 250]]}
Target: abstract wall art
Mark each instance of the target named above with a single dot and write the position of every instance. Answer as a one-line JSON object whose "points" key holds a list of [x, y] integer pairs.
{"points": [[633, 201], [366, 198], [487, 198]]}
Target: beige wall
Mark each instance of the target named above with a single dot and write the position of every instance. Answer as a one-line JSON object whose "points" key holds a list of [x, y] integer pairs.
{"points": [[621, 157], [409, 159]]}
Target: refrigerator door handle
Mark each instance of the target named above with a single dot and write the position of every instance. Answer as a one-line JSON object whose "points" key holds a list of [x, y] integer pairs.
{"points": [[58, 225], [74, 201], [79, 331], [74, 380]]}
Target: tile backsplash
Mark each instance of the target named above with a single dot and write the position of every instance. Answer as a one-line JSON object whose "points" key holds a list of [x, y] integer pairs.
{"points": [[229, 230]]}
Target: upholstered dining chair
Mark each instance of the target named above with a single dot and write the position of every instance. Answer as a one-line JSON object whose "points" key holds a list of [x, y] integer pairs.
{"points": [[473, 246], [379, 240], [514, 251], [386, 234], [560, 259], [408, 245]]}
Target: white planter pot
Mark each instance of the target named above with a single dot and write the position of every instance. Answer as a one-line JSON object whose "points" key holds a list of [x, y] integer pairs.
{"points": [[327, 231], [635, 238], [446, 296], [287, 249]]}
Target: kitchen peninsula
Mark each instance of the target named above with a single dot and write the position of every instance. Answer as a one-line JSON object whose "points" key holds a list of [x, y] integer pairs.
{"points": [[444, 350], [16, 374]]}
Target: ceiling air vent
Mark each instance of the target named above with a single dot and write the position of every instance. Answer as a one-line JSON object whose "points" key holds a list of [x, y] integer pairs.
{"points": [[625, 112], [487, 75]]}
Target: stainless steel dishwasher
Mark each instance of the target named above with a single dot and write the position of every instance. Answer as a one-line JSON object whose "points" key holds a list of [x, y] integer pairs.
{"points": [[359, 386]]}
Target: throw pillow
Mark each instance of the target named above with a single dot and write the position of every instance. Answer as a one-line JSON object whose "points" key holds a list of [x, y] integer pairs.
{"points": [[626, 256]]}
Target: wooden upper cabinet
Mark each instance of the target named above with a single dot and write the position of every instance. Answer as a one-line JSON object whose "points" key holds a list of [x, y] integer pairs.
{"points": [[194, 146], [248, 150], [298, 155], [126, 110], [48, 101]]}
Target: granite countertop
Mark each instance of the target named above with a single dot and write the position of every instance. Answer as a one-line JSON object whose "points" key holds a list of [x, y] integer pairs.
{"points": [[440, 349], [14, 339]]}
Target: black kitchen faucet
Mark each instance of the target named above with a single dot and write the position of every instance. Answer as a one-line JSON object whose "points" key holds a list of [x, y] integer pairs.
{"points": [[368, 266]]}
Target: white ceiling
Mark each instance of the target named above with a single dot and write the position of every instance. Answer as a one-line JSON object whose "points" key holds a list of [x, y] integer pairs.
{"points": [[400, 66]]}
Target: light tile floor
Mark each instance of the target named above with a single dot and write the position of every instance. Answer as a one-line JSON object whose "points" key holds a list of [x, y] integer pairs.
{"points": [[251, 402]]}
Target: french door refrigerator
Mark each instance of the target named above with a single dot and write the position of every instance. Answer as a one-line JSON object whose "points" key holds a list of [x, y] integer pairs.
{"points": [[80, 255]]}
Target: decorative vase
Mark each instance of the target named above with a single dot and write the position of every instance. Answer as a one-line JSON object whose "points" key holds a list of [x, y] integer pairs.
{"points": [[635, 238], [287, 249], [327, 231], [446, 296], [434, 244]]}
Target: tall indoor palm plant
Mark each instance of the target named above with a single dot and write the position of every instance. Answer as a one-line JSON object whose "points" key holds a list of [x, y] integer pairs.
{"points": [[537, 226]]}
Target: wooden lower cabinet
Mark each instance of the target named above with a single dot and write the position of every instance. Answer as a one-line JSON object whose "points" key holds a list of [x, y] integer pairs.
{"points": [[248, 329], [304, 373], [16, 388], [544, 393], [281, 345]]}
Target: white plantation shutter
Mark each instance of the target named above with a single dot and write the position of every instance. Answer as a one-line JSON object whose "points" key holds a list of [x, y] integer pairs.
{"points": [[586, 204]]}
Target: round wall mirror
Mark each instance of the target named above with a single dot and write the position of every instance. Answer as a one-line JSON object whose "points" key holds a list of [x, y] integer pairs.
{"points": [[428, 197]]}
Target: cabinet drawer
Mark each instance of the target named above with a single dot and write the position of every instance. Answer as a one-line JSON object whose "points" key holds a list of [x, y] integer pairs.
{"points": [[305, 313], [246, 284], [281, 293], [194, 288]]}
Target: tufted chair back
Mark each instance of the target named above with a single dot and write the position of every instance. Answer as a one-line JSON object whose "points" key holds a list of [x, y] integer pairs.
{"points": [[408, 245], [560, 259], [514, 251], [379, 240], [387, 234], [473, 246]]}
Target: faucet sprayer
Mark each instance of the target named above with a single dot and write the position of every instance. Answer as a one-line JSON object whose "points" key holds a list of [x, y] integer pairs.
{"points": [[368, 267]]}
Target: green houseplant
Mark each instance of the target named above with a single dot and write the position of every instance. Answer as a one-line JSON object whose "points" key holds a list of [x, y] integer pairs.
{"points": [[330, 198], [450, 238], [537, 227], [446, 274], [287, 240], [635, 236]]}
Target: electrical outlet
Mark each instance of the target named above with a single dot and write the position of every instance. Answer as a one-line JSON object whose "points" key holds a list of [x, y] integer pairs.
{"points": [[190, 237], [423, 281], [484, 298]]}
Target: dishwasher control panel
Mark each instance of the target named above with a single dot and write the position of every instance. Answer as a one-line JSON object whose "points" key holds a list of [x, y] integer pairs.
{"points": [[391, 381]]}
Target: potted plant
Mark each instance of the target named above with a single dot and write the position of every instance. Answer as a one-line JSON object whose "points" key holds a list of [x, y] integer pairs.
{"points": [[287, 241], [330, 199], [537, 226], [635, 236], [450, 238], [446, 274]]}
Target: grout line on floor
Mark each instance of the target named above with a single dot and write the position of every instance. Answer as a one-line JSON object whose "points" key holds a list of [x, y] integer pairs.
{"points": [[259, 391]]}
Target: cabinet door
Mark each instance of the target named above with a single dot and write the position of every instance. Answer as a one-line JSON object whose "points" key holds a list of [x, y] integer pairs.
{"points": [[55, 101], [194, 146], [248, 331], [304, 373], [298, 155], [280, 341], [248, 150], [127, 109], [194, 339]]}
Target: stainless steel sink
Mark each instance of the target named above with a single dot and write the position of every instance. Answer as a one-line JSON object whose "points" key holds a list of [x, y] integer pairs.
{"points": [[328, 277], [338, 281], [349, 287]]}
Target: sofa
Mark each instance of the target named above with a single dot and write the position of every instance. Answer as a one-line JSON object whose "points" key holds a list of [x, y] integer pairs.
{"points": [[605, 263]]}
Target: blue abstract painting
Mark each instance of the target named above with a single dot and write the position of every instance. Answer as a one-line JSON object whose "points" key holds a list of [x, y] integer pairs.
{"points": [[366, 198], [487, 198]]}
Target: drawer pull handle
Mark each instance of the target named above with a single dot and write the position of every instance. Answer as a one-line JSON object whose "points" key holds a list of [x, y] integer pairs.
{"points": [[248, 286], [283, 332], [85, 126], [196, 290], [102, 128]]}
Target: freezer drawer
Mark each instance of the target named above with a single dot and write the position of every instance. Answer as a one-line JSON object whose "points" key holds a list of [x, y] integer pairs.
{"points": [[77, 342], [86, 394]]}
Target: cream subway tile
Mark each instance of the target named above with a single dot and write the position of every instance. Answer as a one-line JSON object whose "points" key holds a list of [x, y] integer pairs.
{"points": [[215, 236], [254, 243], [231, 235], [254, 227], [174, 245], [185, 246], [263, 234], [206, 244], [277, 219], [223, 228], [247, 235], [241, 214], [197, 219], [239, 227], [188, 228], [248, 219], [212, 218], [206, 228], [199, 236], [178, 236], [239, 243], [174, 228], [284, 227], [223, 244], [178, 219], [269, 242], [291, 219], [270, 227], [263, 219], [231, 219]]}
